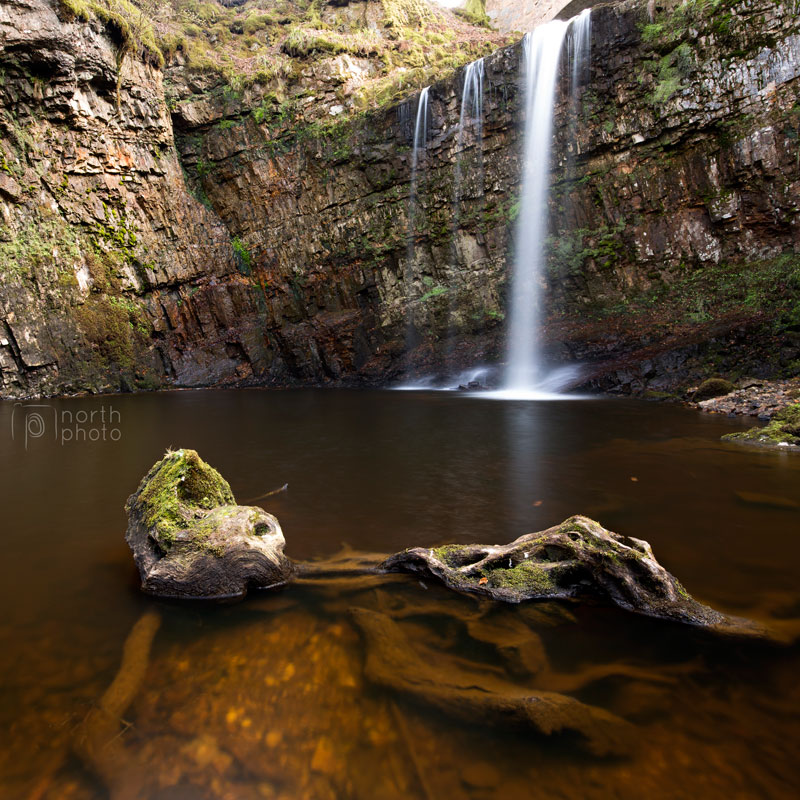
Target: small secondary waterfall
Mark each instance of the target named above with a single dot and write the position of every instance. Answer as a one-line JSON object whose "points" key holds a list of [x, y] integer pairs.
{"points": [[542, 51], [580, 49], [471, 116], [420, 141], [470, 130]]}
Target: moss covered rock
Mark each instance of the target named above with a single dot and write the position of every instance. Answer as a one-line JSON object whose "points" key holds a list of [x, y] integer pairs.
{"points": [[783, 431], [713, 387], [576, 559], [190, 539]]}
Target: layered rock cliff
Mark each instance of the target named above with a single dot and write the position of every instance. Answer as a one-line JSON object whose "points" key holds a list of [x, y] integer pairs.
{"points": [[198, 234]]}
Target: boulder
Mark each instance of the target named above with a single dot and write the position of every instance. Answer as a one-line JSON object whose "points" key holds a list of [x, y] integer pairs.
{"points": [[190, 539], [576, 559], [713, 387]]}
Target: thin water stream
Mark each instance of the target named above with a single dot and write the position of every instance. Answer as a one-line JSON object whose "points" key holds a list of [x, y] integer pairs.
{"points": [[286, 695]]}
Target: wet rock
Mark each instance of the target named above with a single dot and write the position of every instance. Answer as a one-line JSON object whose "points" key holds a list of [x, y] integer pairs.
{"points": [[190, 539], [576, 559], [782, 432]]}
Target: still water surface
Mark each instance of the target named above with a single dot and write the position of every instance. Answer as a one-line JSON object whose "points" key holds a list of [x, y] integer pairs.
{"points": [[270, 699]]}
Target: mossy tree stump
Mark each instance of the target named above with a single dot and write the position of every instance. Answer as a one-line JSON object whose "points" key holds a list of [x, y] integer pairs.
{"points": [[576, 559], [190, 539]]}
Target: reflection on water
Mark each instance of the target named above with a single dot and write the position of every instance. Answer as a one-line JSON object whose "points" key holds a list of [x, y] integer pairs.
{"points": [[291, 695]]}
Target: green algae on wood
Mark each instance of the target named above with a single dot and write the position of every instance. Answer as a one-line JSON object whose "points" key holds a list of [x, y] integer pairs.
{"points": [[578, 559], [174, 489], [191, 540]]}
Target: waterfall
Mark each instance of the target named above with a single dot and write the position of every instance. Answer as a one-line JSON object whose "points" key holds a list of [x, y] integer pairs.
{"points": [[471, 107], [420, 133], [420, 141], [542, 49], [470, 121], [471, 116], [580, 47]]}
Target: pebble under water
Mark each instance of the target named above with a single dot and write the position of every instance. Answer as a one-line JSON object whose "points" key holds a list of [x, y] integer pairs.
{"points": [[284, 695]]}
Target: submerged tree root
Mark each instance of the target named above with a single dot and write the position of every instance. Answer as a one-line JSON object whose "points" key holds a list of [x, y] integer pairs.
{"points": [[479, 695], [99, 741]]}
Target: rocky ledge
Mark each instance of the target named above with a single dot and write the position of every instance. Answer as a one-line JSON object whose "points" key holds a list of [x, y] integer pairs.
{"points": [[190, 539]]}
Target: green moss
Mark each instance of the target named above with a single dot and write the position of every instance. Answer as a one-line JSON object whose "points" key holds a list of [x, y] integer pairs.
{"points": [[525, 576], [437, 291], [408, 42], [783, 427], [116, 233], [117, 328], [673, 70], [175, 486], [448, 554], [475, 12], [303, 42], [569, 251], [695, 295], [244, 261], [713, 387], [673, 25], [46, 242]]}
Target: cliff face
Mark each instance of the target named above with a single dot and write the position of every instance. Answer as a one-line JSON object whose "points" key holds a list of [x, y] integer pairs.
{"points": [[99, 233], [675, 213]]}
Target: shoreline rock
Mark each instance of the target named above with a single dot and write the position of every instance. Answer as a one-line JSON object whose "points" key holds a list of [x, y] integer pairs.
{"points": [[755, 398], [782, 432]]}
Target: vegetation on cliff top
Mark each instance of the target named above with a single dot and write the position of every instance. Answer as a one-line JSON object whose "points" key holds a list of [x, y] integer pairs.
{"points": [[381, 48]]}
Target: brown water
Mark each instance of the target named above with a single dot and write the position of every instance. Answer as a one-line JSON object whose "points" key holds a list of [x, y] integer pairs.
{"points": [[270, 699]]}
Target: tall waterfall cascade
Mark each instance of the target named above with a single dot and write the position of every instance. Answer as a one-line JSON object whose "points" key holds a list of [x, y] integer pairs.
{"points": [[526, 375]]}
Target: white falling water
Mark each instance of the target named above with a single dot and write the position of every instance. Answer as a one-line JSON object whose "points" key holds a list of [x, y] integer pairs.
{"points": [[470, 131], [420, 141], [471, 117], [542, 49], [471, 104], [420, 133], [580, 48]]}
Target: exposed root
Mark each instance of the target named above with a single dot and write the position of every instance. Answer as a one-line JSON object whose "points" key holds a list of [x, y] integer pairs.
{"points": [[99, 740]]}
